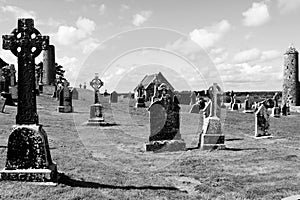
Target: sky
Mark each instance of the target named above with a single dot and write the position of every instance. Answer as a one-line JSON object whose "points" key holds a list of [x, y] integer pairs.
{"points": [[237, 44]]}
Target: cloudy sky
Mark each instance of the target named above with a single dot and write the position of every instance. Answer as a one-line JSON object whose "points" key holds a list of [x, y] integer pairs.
{"points": [[239, 44]]}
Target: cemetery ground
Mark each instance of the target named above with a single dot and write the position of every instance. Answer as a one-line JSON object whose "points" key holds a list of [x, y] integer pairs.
{"points": [[109, 162]]}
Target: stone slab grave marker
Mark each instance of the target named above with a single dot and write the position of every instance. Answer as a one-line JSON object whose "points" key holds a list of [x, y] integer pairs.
{"points": [[140, 98], [248, 105], [75, 94], [211, 136], [262, 121], [113, 97], [28, 154], [276, 109], [234, 106], [165, 123], [65, 99], [96, 115]]}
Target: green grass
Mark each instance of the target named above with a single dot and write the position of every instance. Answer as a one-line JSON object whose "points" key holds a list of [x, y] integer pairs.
{"points": [[110, 162]]}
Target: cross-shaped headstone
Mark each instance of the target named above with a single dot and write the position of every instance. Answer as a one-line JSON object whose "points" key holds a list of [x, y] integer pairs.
{"points": [[214, 91], [26, 43], [96, 83]]}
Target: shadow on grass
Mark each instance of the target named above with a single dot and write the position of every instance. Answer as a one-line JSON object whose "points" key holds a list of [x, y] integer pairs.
{"points": [[234, 139], [243, 149], [85, 184]]}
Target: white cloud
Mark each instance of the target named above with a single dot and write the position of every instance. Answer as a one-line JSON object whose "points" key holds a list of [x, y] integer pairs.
{"points": [[124, 7], [102, 9], [18, 12], [255, 55], [71, 67], [142, 17], [67, 35], [248, 36], [257, 15], [287, 6], [208, 36], [89, 45]]}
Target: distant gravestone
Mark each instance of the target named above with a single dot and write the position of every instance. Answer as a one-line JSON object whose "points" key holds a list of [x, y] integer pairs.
{"points": [[84, 85], [96, 115], [114, 97], [235, 106], [140, 98], [198, 106], [262, 122], [193, 98], [165, 124], [65, 99], [75, 94], [211, 136], [28, 154], [276, 108], [248, 105]]}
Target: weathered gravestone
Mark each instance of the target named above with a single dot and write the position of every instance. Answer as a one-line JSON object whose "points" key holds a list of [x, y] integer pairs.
{"points": [[211, 136], [165, 123], [248, 105], [84, 85], [28, 154], [198, 106], [276, 109], [75, 94], [65, 99], [140, 98], [113, 97], [193, 98], [96, 115], [262, 120], [234, 106]]}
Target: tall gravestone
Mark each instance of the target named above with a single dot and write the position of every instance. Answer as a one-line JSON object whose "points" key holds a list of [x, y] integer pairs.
{"points": [[140, 98], [165, 123], [248, 105], [114, 97], [262, 121], [193, 98], [96, 115], [276, 109], [75, 94], [211, 136], [49, 65], [235, 106], [65, 99], [28, 154]]}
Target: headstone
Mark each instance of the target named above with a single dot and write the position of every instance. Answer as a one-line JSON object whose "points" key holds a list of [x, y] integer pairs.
{"points": [[75, 94], [276, 108], [13, 79], [49, 65], [80, 85], [96, 115], [211, 136], [39, 77], [84, 85], [235, 106], [105, 94], [114, 97], [28, 154], [2, 104], [140, 98], [262, 122], [248, 105], [193, 98], [198, 106], [65, 99], [231, 94], [14, 92], [165, 124], [284, 110]]}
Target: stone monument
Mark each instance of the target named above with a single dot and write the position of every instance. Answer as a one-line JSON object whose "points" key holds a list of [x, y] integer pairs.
{"points": [[140, 98], [96, 115], [276, 108], [248, 105], [75, 94], [165, 123], [262, 121], [49, 65], [113, 97], [198, 106], [65, 99], [28, 154], [211, 136], [193, 98]]}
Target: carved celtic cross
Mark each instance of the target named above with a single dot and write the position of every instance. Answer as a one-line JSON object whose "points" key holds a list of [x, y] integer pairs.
{"points": [[26, 43], [214, 90], [96, 83]]}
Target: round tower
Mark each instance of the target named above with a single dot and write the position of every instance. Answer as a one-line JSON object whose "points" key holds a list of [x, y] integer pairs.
{"points": [[291, 77], [49, 65]]}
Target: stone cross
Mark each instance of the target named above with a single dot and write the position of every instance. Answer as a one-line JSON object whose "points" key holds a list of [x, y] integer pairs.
{"points": [[276, 98], [214, 90], [96, 83], [26, 43]]}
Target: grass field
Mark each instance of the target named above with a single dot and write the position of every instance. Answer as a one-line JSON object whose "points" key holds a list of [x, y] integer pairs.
{"points": [[110, 162]]}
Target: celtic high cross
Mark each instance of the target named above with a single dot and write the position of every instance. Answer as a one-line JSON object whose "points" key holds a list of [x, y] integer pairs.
{"points": [[96, 83], [26, 43]]}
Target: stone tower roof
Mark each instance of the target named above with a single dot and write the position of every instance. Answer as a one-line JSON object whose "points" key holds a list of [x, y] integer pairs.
{"points": [[291, 50]]}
